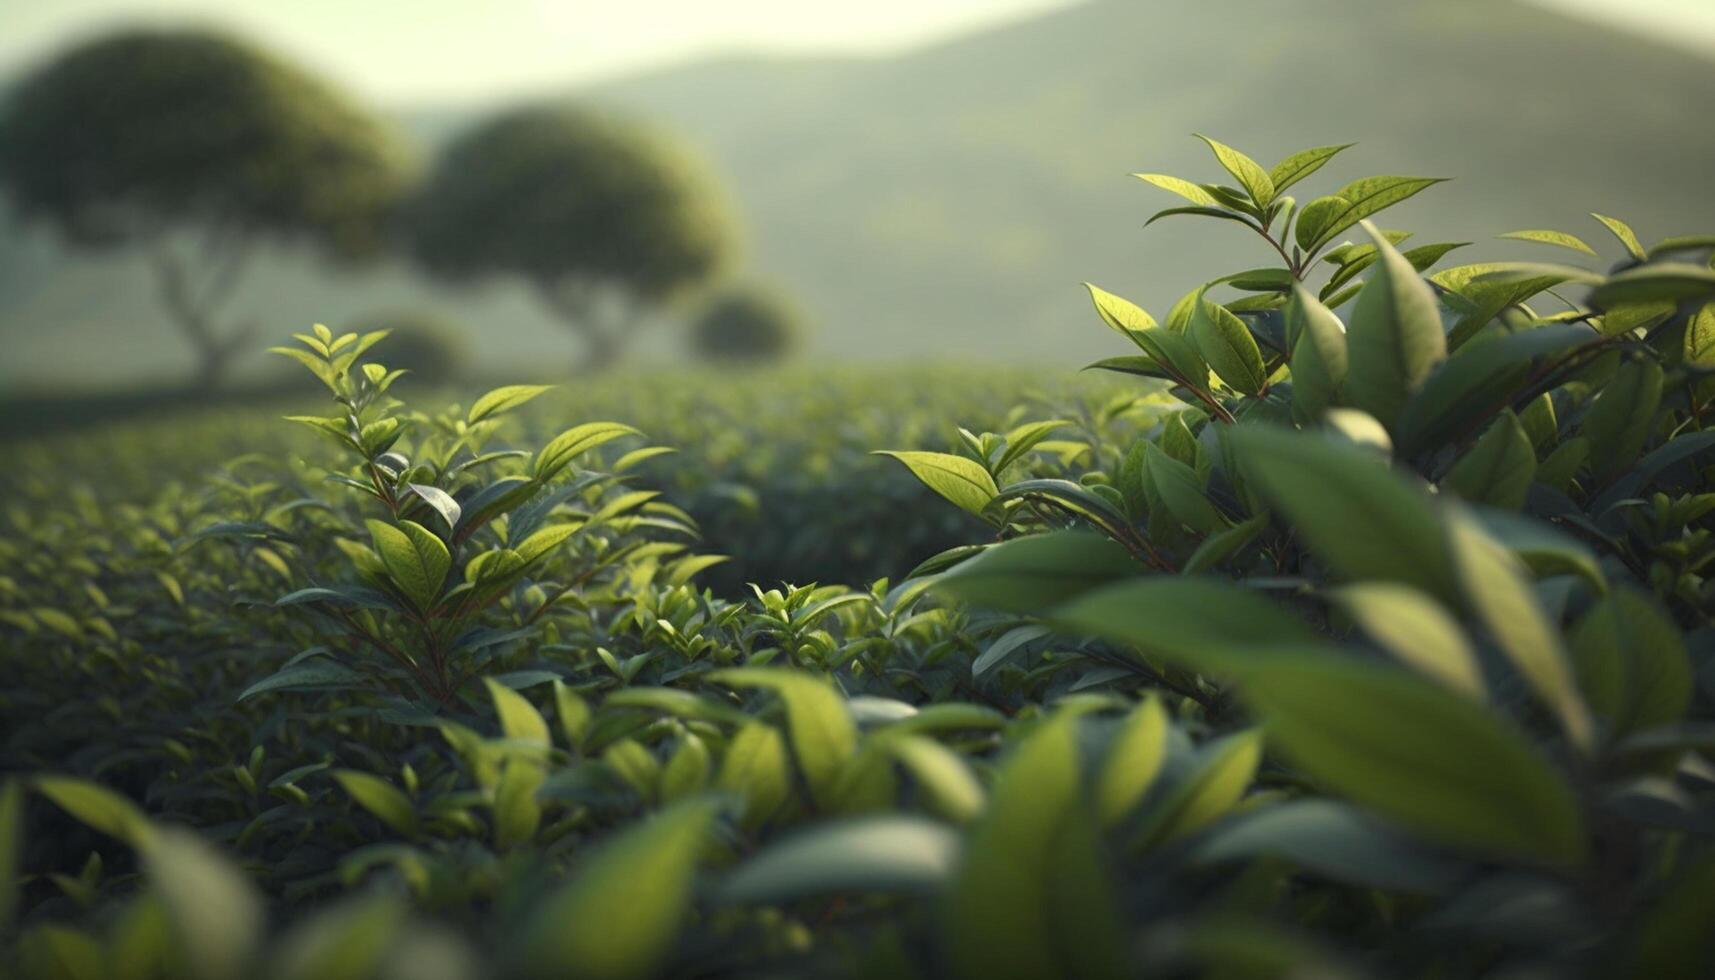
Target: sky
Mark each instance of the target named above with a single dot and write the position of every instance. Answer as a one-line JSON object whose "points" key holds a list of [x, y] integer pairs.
{"points": [[461, 51], [464, 51]]}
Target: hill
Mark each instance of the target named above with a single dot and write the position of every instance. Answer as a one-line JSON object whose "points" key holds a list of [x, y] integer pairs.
{"points": [[947, 201]]}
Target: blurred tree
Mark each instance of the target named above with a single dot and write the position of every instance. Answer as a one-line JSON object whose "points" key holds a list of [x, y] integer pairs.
{"points": [[434, 349], [747, 324], [605, 220], [195, 147]]}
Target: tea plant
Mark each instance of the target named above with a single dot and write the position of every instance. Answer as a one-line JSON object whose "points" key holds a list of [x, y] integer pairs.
{"points": [[457, 533], [1368, 636], [1449, 528]]}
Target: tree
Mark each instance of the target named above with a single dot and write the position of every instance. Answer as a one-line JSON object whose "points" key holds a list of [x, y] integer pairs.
{"points": [[747, 324], [605, 220], [196, 147]]}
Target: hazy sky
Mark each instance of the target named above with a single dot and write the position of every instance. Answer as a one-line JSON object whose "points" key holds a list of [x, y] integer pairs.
{"points": [[400, 52]]}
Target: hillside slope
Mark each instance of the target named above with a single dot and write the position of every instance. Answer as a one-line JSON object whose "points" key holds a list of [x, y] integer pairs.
{"points": [[946, 202]]}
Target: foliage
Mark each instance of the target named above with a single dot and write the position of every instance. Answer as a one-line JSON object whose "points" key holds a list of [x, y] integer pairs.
{"points": [[747, 325], [1268, 668], [461, 527], [186, 133], [605, 220], [1450, 548]]}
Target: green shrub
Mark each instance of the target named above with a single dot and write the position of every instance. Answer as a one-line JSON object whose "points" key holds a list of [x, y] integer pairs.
{"points": [[747, 325], [1452, 553]]}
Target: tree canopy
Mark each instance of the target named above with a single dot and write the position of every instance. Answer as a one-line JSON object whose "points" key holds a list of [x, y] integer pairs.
{"points": [[143, 130], [605, 218], [144, 136]]}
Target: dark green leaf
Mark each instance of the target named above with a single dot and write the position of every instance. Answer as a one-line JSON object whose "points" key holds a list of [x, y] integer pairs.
{"points": [[1622, 418], [1499, 468], [1199, 623], [1432, 761], [1030, 574], [304, 676], [1364, 520], [1330, 839], [1499, 593], [1675, 282]]}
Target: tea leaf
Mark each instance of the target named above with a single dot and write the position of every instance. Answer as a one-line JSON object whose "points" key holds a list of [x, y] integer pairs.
{"points": [[1416, 631], [1427, 759], [216, 915], [96, 807], [1033, 573], [1624, 233], [574, 442], [618, 918], [1134, 758], [1364, 520], [1395, 338], [416, 559], [503, 400], [1499, 468], [960, 480], [380, 798], [886, 855], [1184, 188], [1029, 897], [823, 736], [1199, 623], [1250, 174], [1226, 343], [1215, 787], [1546, 237], [519, 719], [1302, 164]]}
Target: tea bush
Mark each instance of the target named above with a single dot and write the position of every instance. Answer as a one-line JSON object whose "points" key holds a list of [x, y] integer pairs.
{"points": [[749, 324], [1369, 635]]}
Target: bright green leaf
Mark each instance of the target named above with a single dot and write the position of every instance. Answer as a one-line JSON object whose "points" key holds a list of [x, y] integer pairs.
{"points": [[1227, 345], [415, 558], [620, 917], [960, 480], [1395, 338]]}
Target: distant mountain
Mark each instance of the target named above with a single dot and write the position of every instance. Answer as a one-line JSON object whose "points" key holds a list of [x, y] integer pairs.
{"points": [[946, 202]]}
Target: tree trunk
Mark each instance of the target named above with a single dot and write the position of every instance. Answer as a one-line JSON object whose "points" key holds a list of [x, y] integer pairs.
{"points": [[606, 328], [192, 310], [601, 352], [211, 367]]}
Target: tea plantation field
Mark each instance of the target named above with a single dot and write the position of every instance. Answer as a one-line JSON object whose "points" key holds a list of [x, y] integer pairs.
{"points": [[1354, 620]]}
